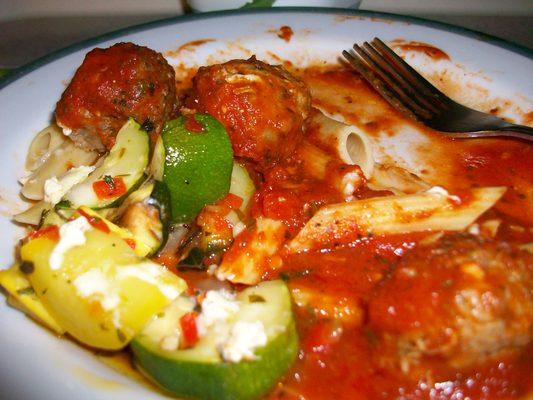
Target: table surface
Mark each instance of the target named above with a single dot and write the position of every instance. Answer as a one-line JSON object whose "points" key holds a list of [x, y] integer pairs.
{"points": [[31, 28]]}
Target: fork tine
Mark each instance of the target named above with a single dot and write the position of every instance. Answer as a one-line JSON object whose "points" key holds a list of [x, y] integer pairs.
{"points": [[402, 96], [409, 73], [406, 86], [377, 83]]}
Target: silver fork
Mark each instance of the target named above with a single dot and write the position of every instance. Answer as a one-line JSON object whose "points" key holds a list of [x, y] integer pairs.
{"points": [[407, 91]]}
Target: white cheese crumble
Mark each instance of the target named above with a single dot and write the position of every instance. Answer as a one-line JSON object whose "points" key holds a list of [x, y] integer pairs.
{"points": [[243, 339], [217, 306], [474, 229], [443, 192], [71, 234], [170, 342], [67, 131], [95, 283], [350, 182], [238, 228], [55, 188]]}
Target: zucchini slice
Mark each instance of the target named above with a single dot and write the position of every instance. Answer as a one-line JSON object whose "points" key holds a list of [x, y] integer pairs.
{"points": [[201, 372], [99, 291], [198, 164], [125, 164]]}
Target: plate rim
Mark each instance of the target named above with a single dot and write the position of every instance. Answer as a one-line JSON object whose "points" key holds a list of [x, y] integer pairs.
{"points": [[176, 20]]}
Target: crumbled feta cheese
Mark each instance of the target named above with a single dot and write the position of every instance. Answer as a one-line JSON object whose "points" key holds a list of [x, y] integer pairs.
{"points": [[71, 234], [95, 283], [224, 275], [238, 228], [67, 131], [55, 188], [217, 306], [473, 229], [443, 192], [148, 272], [350, 182], [211, 269], [243, 339], [170, 342]]}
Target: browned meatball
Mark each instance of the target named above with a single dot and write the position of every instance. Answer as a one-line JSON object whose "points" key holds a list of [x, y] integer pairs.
{"points": [[263, 107], [463, 301], [124, 80]]}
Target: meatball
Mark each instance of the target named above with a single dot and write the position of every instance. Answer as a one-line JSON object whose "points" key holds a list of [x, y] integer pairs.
{"points": [[111, 85], [263, 107], [462, 301]]}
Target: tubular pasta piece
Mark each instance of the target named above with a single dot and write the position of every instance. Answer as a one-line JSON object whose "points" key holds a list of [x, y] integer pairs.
{"points": [[249, 257], [42, 145], [351, 145], [66, 156], [315, 160], [340, 223], [396, 179]]}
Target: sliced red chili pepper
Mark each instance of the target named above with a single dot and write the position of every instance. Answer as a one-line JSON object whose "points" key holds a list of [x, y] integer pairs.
{"points": [[189, 329], [109, 187], [96, 222], [130, 242], [50, 232]]}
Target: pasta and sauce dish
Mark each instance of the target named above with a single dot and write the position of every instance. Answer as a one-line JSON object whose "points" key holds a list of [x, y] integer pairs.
{"points": [[235, 234]]}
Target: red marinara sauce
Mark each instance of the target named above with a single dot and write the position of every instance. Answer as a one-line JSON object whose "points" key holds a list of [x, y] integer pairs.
{"points": [[394, 316], [381, 316]]}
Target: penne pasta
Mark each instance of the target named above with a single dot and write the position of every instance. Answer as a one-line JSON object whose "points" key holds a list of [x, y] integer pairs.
{"points": [[42, 145], [396, 179], [349, 143], [66, 156], [314, 159], [433, 210]]}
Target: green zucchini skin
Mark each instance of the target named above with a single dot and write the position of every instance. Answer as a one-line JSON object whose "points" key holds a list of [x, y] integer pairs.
{"points": [[198, 165], [221, 381], [128, 158], [201, 372], [160, 199]]}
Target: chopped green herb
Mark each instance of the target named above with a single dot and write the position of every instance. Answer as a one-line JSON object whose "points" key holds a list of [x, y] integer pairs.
{"points": [[26, 291], [108, 179], [63, 204]]}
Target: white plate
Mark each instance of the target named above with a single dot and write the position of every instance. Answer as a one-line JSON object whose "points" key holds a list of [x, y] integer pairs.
{"points": [[36, 365]]}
